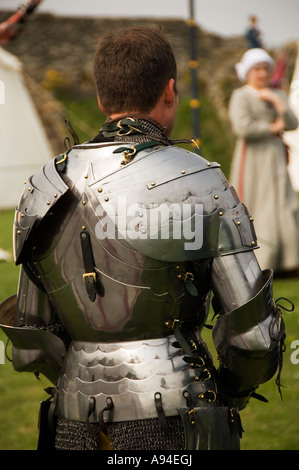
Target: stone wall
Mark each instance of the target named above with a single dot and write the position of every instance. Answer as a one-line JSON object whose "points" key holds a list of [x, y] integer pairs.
{"points": [[67, 46], [58, 51]]}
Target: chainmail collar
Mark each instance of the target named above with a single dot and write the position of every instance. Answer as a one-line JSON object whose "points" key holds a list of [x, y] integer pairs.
{"points": [[130, 128], [134, 127]]}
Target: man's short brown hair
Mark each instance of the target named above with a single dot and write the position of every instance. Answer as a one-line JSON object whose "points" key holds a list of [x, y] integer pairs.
{"points": [[131, 69]]}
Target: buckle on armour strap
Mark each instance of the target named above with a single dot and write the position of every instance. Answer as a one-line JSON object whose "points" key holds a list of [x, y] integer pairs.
{"points": [[128, 154], [93, 275]]}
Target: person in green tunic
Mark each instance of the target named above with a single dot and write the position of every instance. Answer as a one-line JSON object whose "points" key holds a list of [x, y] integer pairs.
{"points": [[259, 172]]}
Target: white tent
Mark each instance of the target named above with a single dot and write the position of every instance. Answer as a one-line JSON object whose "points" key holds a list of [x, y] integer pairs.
{"points": [[291, 138], [24, 146]]}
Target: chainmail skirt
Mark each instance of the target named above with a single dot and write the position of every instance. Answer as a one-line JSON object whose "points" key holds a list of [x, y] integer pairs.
{"points": [[147, 434]]}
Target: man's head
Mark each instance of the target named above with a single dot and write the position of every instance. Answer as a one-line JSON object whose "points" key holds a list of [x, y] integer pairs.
{"points": [[132, 68]]}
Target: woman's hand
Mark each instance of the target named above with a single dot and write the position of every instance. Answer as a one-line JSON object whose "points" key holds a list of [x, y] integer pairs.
{"points": [[266, 94], [277, 126]]}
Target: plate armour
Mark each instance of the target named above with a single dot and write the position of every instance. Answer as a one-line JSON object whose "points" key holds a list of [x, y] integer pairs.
{"points": [[122, 255]]}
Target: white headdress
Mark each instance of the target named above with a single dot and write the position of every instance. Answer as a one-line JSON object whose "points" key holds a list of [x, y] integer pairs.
{"points": [[249, 59]]}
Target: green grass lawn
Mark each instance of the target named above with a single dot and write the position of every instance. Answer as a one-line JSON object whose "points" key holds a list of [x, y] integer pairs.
{"points": [[268, 426]]}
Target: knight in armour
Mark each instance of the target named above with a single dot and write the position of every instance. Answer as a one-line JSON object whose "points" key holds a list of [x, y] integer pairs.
{"points": [[122, 242]]}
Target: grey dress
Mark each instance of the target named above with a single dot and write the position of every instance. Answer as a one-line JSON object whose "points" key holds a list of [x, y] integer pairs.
{"points": [[260, 176]]}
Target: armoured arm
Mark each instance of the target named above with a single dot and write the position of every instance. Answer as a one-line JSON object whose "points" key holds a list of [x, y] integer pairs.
{"points": [[30, 323], [246, 333], [28, 318]]}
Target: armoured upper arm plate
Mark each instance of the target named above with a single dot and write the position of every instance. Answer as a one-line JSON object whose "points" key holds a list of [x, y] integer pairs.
{"points": [[41, 192]]}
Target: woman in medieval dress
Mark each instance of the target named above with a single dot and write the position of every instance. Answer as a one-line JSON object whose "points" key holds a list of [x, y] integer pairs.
{"points": [[259, 115]]}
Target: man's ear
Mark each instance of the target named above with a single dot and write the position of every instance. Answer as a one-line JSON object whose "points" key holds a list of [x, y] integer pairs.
{"points": [[100, 105], [170, 92]]}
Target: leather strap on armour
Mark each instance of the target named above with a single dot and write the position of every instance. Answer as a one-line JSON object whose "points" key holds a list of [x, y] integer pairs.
{"points": [[92, 283]]}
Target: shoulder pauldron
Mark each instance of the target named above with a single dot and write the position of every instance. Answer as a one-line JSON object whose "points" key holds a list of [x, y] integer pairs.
{"points": [[179, 207], [40, 194]]}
